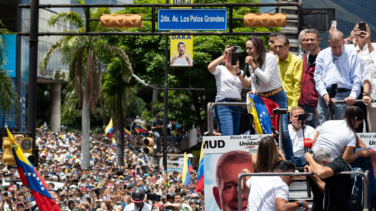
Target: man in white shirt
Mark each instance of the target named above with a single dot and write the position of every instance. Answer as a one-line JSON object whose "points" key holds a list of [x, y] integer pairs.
{"points": [[272, 192], [296, 135], [337, 64], [181, 59]]}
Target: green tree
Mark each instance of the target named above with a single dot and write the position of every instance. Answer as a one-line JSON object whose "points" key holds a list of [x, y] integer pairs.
{"points": [[8, 99], [85, 56], [147, 56], [118, 94]]}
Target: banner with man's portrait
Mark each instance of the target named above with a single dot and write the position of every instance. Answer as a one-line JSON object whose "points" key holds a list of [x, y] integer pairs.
{"points": [[224, 158], [181, 50], [181, 46]]}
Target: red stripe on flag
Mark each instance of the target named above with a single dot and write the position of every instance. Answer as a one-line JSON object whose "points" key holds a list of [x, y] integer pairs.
{"points": [[270, 105], [44, 203], [22, 175], [200, 184], [41, 179]]}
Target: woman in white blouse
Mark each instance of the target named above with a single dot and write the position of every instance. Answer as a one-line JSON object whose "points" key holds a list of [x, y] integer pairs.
{"points": [[367, 55], [229, 82], [266, 83]]}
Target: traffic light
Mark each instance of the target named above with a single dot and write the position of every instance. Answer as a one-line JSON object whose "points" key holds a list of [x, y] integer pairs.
{"points": [[149, 143], [265, 20], [120, 21], [26, 145], [8, 159]]}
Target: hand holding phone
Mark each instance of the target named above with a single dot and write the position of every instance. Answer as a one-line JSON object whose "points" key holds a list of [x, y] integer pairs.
{"points": [[334, 24]]}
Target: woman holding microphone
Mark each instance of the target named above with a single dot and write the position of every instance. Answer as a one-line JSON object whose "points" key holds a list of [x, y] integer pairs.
{"points": [[229, 82], [266, 83]]}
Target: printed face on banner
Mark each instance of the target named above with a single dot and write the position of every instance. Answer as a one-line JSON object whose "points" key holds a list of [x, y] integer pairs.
{"points": [[181, 50], [225, 157]]}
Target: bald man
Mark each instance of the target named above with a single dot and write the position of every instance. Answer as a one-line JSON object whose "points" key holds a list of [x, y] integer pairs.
{"points": [[340, 65], [228, 168]]}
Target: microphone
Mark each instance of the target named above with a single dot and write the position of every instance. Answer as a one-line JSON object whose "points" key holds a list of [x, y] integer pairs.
{"points": [[333, 91], [307, 145], [245, 70]]}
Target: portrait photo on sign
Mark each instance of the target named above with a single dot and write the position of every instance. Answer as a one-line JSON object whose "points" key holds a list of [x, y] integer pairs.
{"points": [[223, 161], [181, 50]]}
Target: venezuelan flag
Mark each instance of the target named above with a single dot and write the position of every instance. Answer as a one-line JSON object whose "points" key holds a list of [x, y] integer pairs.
{"points": [[110, 132], [109, 127], [126, 132], [261, 110], [30, 177], [136, 131], [187, 168], [142, 129], [200, 173], [113, 144]]}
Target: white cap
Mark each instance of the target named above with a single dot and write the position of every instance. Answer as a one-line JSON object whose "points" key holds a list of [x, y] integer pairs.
{"points": [[190, 155]]}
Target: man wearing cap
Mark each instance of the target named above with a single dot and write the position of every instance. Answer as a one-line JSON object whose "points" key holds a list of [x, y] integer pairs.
{"points": [[156, 127], [20, 206], [138, 196]]}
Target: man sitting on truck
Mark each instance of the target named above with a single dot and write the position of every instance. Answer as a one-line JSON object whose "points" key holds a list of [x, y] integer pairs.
{"points": [[337, 188], [296, 135]]}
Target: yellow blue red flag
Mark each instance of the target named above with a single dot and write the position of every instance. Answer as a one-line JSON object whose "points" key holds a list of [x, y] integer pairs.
{"points": [[30, 177]]}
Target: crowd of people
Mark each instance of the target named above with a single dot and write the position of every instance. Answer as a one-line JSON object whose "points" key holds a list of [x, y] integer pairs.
{"points": [[309, 83], [297, 83], [103, 185]]}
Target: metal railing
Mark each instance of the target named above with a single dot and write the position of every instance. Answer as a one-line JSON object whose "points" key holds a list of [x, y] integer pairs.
{"points": [[365, 183], [210, 113], [211, 105]]}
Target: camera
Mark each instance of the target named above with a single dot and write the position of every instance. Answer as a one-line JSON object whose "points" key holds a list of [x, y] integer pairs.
{"points": [[120, 172], [153, 197], [235, 52], [305, 117]]}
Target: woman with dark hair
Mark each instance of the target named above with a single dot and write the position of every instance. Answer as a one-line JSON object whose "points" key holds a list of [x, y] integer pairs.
{"points": [[338, 137], [266, 83], [267, 155], [229, 85]]}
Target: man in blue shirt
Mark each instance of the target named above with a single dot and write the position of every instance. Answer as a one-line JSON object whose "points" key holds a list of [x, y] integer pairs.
{"points": [[339, 65]]}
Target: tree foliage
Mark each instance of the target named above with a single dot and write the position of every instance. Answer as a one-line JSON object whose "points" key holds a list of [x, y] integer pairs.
{"points": [[147, 56]]}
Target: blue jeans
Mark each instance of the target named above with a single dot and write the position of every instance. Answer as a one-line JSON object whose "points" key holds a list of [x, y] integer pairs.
{"points": [[311, 109], [157, 139], [299, 161], [228, 118], [364, 164], [339, 109], [174, 137], [281, 99]]}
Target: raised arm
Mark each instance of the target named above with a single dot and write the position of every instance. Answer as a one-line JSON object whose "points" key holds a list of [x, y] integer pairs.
{"points": [[271, 68], [227, 56]]}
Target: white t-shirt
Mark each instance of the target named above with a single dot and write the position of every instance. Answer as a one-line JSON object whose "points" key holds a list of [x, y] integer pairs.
{"points": [[228, 85], [268, 75], [132, 207], [297, 138], [181, 62], [264, 191], [334, 136]]}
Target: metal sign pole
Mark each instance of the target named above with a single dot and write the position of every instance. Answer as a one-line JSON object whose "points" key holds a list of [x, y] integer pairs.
{"points": [[33, 67], [165, 119]]}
